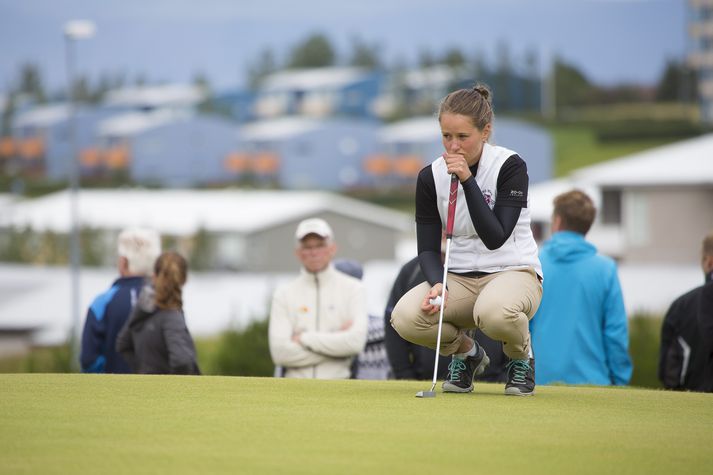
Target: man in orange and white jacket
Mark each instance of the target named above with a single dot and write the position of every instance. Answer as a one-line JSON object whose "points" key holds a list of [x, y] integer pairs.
{"points": [[318, 322]]}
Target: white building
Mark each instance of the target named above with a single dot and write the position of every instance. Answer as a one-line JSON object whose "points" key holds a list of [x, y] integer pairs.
{"points": [[246, 230]]}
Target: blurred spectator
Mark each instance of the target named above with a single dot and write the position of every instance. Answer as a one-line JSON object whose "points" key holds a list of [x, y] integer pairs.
{"points": [[683, 356], [137, 250], [580, 332], [705, 321], [318, 322], [372, 362], [156, 340], [411, 361]]}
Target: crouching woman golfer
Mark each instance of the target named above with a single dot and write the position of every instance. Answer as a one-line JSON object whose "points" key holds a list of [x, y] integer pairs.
{"points": [[494, 274], [155, 339]]}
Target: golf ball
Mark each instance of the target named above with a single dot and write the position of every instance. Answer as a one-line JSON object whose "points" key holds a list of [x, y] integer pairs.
{"points": [[436, 301]]}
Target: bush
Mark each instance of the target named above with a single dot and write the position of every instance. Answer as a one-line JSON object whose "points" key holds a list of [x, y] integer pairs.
{"points": [[644, 342], [52, 359], [244, 352], [646, 129]]}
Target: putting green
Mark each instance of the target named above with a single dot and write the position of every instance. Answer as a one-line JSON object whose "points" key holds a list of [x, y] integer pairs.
{"points": [[171, 424]]}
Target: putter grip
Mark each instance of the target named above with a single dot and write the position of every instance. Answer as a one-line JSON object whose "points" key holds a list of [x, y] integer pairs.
{"points": [[452, 197]]}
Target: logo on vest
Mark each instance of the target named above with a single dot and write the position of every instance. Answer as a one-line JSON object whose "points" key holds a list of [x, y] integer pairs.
{"points": [[488, 195]]}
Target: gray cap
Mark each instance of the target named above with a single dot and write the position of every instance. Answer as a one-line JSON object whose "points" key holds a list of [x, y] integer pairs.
{"points": [[349, 267]]}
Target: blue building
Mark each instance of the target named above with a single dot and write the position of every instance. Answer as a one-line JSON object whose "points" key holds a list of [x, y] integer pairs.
{"points": [[170, 148], [307, 153], [43, 141], [406, 146], [318, 92]]}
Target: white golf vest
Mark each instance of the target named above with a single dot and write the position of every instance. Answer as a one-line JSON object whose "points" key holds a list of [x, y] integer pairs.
{"points": [[468, 253]]}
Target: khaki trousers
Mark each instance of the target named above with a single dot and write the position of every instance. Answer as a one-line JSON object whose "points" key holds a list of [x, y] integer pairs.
{"points": [[499, 304]]}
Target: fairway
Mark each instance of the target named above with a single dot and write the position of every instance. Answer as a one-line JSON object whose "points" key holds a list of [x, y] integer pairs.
{"points": [[172, 424]]}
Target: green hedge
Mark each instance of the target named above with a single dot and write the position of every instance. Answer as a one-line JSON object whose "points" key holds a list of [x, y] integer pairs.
{"points": [[644, 342], [624, 130], [246, 352], [243, 352]]}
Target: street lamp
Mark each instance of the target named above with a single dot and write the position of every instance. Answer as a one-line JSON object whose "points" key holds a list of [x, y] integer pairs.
{"points": [[73, 31]]}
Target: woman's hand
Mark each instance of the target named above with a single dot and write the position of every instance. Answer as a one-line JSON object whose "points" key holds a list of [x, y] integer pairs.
{"points": [[457, 164], [431, 308]]}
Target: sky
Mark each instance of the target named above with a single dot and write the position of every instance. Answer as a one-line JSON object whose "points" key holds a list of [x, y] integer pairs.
{"points": [[610, 41]]}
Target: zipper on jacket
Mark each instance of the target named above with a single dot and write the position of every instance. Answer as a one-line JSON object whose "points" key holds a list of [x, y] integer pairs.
{"points": [[316, 317]]}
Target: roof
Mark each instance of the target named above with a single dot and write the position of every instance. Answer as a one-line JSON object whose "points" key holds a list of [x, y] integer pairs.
{"points": [[417, 129], [314, 78], [278, 129], [439, 75], [688, 162], [43, 116], [132, 123], [183, 212], [156, 96], [426, 129]]}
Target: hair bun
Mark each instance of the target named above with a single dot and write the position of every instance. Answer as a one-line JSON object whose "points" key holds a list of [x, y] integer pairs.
{"points": [[482, 90]]}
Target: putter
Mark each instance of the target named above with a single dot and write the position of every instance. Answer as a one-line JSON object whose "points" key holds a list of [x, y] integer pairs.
{"points": [[452, 198]]}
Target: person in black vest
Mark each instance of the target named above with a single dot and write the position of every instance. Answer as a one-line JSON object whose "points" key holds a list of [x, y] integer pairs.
{"points": [[683, 355], [495, 276]]}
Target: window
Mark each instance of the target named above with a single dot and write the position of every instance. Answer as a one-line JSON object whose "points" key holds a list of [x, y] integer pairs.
{"points": [[611, 207]]}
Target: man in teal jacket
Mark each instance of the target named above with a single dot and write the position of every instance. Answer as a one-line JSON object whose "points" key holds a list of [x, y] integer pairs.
{"points": [[579, 333]]}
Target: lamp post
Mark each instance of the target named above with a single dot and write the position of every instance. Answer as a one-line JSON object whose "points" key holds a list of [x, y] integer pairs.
{"points": [[73, 31]]}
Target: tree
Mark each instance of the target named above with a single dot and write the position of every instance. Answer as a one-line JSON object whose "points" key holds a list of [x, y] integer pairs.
{"points": [[314, 52], [454, 58], [426, 59], [263, 67], [478, 68], [31, 83], [7, 114], [503, 76], [678, 83], [364, 55], [81, 91], [572, 88], [532, 79], [201, 82]]}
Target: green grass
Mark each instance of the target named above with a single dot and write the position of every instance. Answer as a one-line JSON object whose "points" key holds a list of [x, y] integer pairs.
{"points": [[577, 146], [166, 424]]}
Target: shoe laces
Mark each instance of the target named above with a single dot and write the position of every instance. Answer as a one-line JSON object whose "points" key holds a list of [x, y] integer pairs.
{"points": [[519, 369], [455, 367]]}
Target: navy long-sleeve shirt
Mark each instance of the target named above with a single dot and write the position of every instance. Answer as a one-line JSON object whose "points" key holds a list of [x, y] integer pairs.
{"points": [[105, 318]]}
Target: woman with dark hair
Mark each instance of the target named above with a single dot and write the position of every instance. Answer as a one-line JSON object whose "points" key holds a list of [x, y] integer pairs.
{"points": [[156, 340]]}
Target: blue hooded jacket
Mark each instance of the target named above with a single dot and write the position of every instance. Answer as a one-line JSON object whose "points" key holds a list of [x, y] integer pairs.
{"points": [[580, 332]]}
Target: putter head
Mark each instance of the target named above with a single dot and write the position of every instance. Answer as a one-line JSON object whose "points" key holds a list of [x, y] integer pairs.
{"points": [[426, 394]]}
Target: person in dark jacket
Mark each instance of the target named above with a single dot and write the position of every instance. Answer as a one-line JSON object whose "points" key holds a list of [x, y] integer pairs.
{"points": [[137, 250], [411, 361], [705, 322], [156, 340], [684, 355], [372, 362]]}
